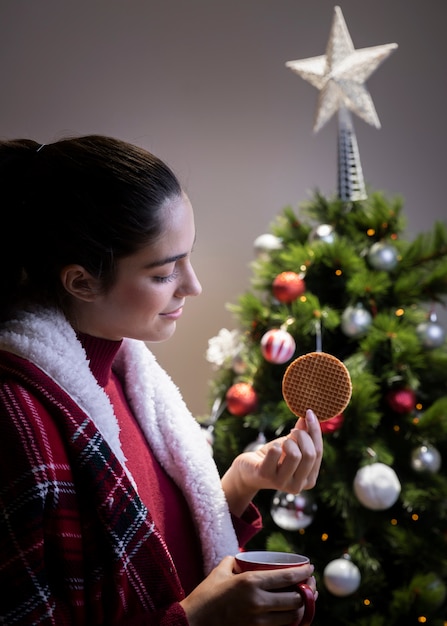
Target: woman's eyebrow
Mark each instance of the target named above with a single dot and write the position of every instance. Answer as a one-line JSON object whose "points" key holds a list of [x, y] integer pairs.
{"points": [[170, 259], [167, 260]]}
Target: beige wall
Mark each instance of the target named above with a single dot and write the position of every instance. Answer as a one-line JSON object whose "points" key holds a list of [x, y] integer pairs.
{"points": [[202, 83]]}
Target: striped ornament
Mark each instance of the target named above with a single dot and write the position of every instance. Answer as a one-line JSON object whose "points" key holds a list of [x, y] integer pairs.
{"points": [[277, 346]]}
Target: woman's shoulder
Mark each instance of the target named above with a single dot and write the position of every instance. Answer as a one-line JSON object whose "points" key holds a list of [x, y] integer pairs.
{"points": [[32, 445]]}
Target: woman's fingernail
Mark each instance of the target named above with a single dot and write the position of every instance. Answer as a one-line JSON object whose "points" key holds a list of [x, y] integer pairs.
{"points": [[310, 415]]}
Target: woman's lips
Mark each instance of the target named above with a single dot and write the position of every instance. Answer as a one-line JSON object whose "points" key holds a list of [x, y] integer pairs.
{"points": [[174, 315]]}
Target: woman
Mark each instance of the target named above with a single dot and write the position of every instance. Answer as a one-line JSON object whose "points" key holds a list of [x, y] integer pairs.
{"points": [[112, 510]]}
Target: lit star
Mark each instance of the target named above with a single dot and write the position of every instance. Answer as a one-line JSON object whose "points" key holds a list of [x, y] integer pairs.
{"points": [[340, 74]]}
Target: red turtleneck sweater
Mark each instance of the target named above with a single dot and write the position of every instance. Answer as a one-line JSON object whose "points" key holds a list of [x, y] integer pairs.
{"points": [[157, 490]]}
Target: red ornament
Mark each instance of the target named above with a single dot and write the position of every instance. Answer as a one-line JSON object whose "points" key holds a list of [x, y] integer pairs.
{"points": [[288, 286], [241, 399], [401, 400], [332, 424], [277, 346]]}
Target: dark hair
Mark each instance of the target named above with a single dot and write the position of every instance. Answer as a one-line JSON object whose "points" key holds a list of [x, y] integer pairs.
{"points": [[88, 200]]}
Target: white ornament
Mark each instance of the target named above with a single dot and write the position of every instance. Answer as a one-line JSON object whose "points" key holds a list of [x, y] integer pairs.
{"points": [[266, 243], [377, 486], [340, 74], [341, 577]]}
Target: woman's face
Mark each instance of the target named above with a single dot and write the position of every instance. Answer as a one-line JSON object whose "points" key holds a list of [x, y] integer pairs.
{"points": [[151, 285]]}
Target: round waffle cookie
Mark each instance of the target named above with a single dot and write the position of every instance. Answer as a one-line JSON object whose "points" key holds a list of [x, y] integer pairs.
{"points": [[317, 381]]}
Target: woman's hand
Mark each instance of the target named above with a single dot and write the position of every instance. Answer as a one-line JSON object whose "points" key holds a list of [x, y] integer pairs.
{"points": [[247, 599], [289, 464]]}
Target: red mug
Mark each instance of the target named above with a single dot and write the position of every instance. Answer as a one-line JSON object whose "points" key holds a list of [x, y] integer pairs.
{"points": [[267, 559]]}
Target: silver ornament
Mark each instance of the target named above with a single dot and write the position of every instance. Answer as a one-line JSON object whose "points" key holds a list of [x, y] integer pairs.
{"points": [[426, 458], [383, 256], [208, 435], [255, 445], [431, 334], [239, 365], [355, 321], [323, 232], [293, 511]]}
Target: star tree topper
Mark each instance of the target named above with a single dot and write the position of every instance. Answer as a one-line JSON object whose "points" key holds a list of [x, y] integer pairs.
{"points": [[340, 74]]}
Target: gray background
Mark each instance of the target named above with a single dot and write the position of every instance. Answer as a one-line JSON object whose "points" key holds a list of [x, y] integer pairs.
{"points": [[203, 84]]}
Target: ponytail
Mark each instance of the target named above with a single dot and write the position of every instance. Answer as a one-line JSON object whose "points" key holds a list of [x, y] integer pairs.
{"points": [[15, 162]]}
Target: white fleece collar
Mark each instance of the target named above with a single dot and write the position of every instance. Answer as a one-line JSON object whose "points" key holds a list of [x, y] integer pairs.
{"points": [[46, 338]]}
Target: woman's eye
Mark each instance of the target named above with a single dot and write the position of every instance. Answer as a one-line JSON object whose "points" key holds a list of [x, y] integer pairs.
{"points": [[166, 279]]}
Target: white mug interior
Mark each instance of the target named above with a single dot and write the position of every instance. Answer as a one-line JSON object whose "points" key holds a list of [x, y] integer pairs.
{"points": [[268, 557]]}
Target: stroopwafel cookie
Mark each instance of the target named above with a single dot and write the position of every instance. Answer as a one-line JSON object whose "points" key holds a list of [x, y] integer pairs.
{"points": [[317, 381]]}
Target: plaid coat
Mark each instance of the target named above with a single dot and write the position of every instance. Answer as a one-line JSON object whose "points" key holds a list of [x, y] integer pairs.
{"points": [[77, 545]]}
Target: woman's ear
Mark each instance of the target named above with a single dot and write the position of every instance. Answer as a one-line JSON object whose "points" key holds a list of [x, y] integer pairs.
{"points": [[79, 283]]}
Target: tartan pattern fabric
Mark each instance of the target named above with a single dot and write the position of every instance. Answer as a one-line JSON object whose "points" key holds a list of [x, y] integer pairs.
{"points": [[72, 528], [70, 559]]}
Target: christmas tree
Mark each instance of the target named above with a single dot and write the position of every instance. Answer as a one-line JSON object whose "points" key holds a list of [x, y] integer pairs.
{"points": [[337, 275]]}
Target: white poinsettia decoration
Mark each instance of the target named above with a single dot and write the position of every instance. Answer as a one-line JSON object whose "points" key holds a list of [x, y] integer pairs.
{"points": [[224, 347]]}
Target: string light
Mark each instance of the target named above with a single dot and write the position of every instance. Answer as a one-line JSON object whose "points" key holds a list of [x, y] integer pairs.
{"points": [[370, 232], [394, 522], [366, 602], [399, 312], [338, 272], [324, 537]]}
